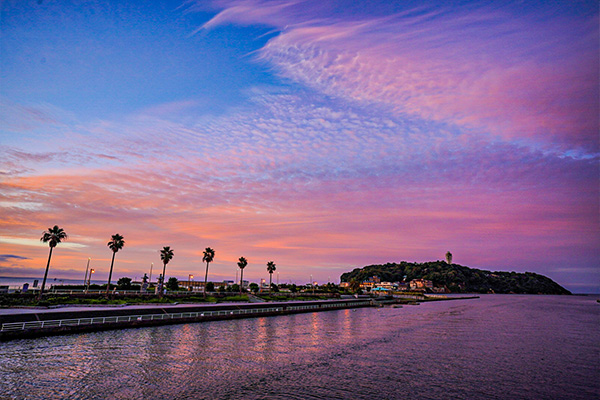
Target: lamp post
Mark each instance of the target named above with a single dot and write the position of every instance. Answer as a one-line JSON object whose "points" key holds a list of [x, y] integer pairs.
{"points": [[86, 270], [89, 279], [150, 279], [190, 277]]}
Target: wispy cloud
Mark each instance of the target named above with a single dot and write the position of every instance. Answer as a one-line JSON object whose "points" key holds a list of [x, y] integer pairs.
{"points": [[35, 243], [499, 71], [251, 12], [8, 257]]}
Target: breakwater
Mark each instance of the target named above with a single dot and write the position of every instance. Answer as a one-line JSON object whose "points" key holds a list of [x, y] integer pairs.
{"points": [[26, 323]]}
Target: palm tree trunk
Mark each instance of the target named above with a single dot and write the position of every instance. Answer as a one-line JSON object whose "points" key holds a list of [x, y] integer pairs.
{"points": [[241, 281], [162, 284], [205, 279], [270, 281], [110, 273], [46, 273]]}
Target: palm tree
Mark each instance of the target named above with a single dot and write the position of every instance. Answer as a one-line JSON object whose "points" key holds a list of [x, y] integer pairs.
{"points": [[271, 268], [116, 243], [242, 264], [449, 257], [166, 255], [209, 256], [52, 236]]}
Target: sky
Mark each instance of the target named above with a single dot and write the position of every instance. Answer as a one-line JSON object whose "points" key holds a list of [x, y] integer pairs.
{"points": [[323, 136]]}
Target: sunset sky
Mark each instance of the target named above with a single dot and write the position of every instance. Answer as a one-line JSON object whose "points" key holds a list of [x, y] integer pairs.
{"points": [[321, 135]]}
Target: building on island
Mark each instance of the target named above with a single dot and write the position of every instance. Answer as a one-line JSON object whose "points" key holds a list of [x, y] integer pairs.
{"points": [[381, 291], [370, 283], [387, 285], [420, 284]]}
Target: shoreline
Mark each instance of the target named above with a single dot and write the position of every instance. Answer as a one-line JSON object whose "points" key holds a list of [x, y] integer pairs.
{"points": [[19, 323]]}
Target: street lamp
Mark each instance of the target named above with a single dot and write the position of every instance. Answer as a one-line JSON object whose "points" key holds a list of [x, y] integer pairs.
{"points": [[86, 270], [89, 279], [190, 277]]}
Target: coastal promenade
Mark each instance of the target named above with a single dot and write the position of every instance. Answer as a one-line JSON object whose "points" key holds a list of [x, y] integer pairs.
{"points": [[17, 323]]}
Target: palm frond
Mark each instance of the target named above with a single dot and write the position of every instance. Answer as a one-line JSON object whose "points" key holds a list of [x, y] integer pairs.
{"points": [[54, 236], [209, 255], [166, 254], [116, 243]]}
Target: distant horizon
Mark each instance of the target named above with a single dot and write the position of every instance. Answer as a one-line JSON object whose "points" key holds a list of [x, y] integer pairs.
{"points": [[97, 281], [322, 136], [337, 281]]}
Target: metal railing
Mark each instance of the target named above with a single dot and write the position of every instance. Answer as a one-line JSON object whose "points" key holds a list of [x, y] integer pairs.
{"points": [[18, 326], [12, 326]]}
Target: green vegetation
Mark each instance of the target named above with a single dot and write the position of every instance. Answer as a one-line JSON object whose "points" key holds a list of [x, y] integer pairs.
{"points": [[172, 284], [124, 283], [458, 278], [11, 300], [31, 300]]}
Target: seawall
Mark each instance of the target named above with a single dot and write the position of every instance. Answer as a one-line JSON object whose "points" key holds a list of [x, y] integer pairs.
{"points": [[26, 323]]}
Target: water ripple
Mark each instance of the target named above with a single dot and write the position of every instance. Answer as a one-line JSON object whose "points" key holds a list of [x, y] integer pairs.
{"points": [[497, 347]]}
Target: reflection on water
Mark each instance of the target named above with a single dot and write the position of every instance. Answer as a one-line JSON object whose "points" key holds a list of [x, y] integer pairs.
{"points": [[497, 347]]}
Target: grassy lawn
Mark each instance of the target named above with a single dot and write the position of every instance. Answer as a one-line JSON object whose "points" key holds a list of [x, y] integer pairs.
{"points": [[10, 300]]}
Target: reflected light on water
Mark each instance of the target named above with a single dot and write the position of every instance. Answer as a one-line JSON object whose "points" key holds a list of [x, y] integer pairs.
{"points": [[459, 349]]}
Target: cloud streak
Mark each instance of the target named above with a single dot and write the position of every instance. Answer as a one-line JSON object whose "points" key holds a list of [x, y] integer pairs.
{"points": [[494, 70]]}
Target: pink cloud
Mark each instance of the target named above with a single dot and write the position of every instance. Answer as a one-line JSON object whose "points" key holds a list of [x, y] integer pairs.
{"points": [[249, 12], [498, 71], [552, 100]]}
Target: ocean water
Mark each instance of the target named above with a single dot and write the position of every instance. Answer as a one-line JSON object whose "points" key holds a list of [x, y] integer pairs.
{"points": [[495, 347], [14, 282]]}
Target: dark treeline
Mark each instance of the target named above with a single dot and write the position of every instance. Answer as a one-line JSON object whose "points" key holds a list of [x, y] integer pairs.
{"points": [[458, 278]]}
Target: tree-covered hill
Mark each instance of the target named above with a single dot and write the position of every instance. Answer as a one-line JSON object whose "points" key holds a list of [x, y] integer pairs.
{"points": [[458, 278]]}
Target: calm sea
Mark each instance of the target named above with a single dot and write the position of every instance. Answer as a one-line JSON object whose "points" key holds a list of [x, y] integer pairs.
{"points": [[15, 282], [495, 347]]}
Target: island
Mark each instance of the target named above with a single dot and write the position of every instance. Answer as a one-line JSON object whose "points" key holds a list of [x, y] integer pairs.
{"points": [[442, 277]]}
